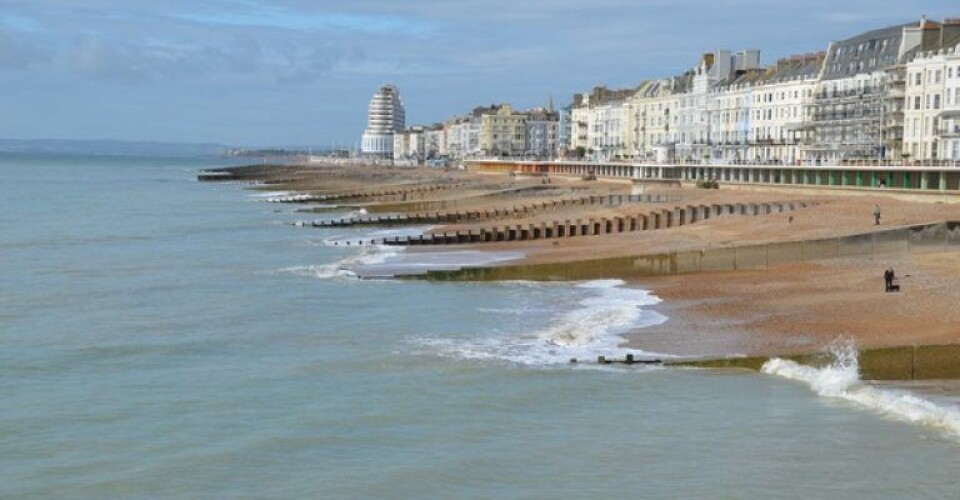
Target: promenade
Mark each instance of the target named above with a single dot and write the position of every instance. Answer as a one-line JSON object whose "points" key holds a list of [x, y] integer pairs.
{"points": [[942, 177]]}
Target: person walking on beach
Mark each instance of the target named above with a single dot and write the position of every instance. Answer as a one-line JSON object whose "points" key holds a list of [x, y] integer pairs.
{"points": [[887, 280], [876, 214]]}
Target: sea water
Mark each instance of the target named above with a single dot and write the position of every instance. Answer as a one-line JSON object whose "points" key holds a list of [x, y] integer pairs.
{"points": [[161, 337]]}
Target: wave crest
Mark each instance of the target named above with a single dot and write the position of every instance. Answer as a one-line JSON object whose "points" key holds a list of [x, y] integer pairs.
{"points": [[592, 329], [841, 380]]}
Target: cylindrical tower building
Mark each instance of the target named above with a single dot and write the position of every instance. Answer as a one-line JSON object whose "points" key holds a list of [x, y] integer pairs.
{"points": [[386, 116]]}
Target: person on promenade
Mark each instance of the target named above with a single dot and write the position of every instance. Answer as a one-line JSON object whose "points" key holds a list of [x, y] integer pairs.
{"points": [[876, 214], [887, 279]]}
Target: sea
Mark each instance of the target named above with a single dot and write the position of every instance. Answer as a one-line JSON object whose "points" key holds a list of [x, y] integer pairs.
{"points": [[166, 338]]}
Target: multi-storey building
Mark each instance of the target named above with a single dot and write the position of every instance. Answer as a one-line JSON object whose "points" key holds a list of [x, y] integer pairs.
{"points": [[462, 134], [931, 105], [600, 121], [655, 104], [779, 109], [386, 116], [435, 142], [847, 111], [541, 130], [692, 115], [455, 133], [503, 132], [410, 145], [731, 111]]}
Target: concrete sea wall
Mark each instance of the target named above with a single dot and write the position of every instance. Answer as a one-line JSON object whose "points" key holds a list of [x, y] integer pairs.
{"points": [[916, 362], [745, 257]]}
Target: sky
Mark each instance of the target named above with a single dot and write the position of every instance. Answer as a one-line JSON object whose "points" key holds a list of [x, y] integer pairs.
{"points": [[264, 73]]}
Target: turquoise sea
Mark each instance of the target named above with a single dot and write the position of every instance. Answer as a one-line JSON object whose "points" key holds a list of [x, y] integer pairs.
{"points": [[160, 337]]}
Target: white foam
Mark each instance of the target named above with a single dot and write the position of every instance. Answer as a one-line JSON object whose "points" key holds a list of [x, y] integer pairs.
{"points": [[592, 329], [320, 271], [355, 235], [841, 380], [271, 194], [422, 261], [346, 267], [289, 197], [356, 213]]}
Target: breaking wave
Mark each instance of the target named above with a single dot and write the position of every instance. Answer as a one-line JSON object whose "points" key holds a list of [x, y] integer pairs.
{"points": [[841, 380], [591, 329], [346, 267]]}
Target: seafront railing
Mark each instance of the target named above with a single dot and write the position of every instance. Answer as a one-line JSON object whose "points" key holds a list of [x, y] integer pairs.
{"points": [[944, 177], [723, 163]]}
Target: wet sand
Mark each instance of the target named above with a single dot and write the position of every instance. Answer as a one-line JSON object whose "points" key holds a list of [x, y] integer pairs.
{"points": [[802, 307]]}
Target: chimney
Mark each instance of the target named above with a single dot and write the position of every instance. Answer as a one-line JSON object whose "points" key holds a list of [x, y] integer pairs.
{"points": [[708, 59], [949, 30]]}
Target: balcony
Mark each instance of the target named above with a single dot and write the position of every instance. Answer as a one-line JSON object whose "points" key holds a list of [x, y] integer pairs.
{"points": [[949, 132], [895, 93], [847, 95]]}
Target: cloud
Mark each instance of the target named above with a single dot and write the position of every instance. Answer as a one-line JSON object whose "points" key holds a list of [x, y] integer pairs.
{"points": [[276, 17], [102, 59], [18, 51], [302, 65]]}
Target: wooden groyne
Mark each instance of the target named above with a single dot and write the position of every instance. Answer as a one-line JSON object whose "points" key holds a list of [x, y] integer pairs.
{"points": [[515, 212], [247, 173], [656, 220]]}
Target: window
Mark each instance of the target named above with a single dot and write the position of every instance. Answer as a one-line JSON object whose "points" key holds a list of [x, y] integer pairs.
{"points": [[916, 102], [936, 77], [936, 101]]}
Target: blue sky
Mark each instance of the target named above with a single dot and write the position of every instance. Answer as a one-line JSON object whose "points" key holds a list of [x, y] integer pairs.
{"points": [[301, 72]]}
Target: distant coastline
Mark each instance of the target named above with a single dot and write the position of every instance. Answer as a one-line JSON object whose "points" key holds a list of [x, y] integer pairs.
{"points": [[110, 147]]}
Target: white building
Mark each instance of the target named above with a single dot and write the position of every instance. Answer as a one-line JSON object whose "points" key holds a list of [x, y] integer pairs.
{"points": [[600, 124], [847, 112], [781, 109], [386, 116], [932, 99]]}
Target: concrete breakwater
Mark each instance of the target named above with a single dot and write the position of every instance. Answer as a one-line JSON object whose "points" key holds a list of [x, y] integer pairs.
{"points": [[914, 362], [729, 258], [656, 220], [520, 211]]}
